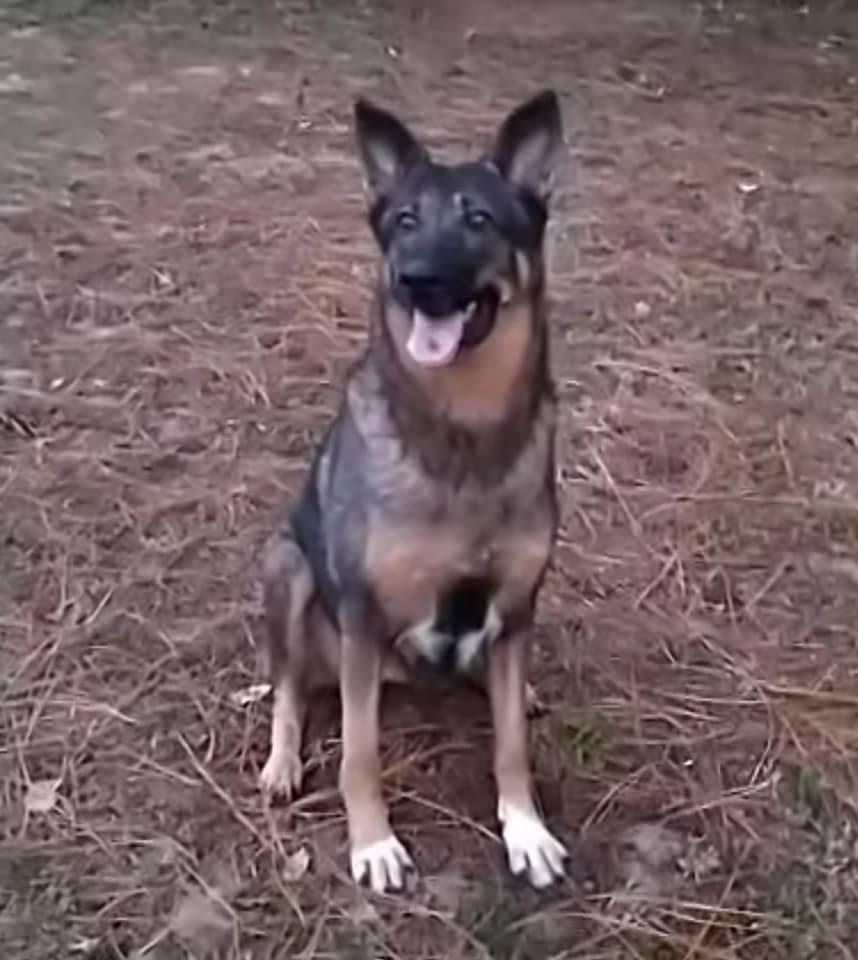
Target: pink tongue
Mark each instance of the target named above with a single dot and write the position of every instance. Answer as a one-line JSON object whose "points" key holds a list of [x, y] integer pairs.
{"points": [[435, 340]]}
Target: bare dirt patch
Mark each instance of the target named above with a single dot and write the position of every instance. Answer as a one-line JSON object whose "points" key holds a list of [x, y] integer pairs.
{"points": [[184, 271]]}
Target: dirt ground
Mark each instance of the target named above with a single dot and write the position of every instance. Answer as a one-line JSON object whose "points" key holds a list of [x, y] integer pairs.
{"points": [[184, 274]]}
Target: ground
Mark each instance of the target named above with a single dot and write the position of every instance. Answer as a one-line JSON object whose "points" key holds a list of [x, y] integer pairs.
{"points": [[184, 274]]}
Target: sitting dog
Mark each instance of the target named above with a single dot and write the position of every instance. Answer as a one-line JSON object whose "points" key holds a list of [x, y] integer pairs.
{"points": [[426, 523]]}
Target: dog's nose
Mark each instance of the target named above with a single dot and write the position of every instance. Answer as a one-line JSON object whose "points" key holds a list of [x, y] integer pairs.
{"points": [[430, 291], [419, 277]]}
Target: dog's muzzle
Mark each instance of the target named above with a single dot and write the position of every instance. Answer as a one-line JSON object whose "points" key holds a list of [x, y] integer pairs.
{"points": [[446, 317]]}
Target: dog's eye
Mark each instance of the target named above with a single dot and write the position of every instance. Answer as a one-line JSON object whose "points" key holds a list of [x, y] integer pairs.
{"points": [[477, 219], [406, 220]]}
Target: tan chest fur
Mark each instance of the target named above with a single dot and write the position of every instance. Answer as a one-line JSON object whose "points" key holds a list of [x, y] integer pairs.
{"points": [[409, 564]]}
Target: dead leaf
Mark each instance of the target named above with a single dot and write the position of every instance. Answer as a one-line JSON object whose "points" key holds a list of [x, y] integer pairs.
{"points": [[243, 698], [199, 915], [296, 865], [85, 945], [42, 795], [643, 311], [447, 891], [362, 912]]}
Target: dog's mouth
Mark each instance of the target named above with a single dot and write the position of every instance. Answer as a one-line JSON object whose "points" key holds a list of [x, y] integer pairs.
{"points": [[435, 341]]}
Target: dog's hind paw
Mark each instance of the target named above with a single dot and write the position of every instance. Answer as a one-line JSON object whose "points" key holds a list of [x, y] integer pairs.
{"points": [[384, 864], [530, 847], [281, 776]]}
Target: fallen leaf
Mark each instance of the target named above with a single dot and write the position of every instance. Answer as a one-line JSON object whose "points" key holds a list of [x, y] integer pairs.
{"points": [[447, 891], [85, 945], [643, 311], [296, 865], [42, 795], [362, 912], [14, 83], [198, 914], [243, 698]]}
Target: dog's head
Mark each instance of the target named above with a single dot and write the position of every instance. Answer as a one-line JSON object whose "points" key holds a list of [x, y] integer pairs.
{"points": [[462, 244]]}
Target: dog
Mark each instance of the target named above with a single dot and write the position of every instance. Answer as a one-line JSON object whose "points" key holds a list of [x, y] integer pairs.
{"points": [[427, 520]]}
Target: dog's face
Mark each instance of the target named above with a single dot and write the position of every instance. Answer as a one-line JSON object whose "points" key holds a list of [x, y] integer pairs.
{"points": [[461, 243]]}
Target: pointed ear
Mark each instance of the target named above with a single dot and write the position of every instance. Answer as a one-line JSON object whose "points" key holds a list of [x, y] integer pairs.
{"points": [[528, 142], [386, 147]]}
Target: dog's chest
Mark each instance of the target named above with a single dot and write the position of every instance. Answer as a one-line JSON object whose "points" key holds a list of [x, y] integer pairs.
{"points": [[413, 564], [445, 592], [457, 556]]}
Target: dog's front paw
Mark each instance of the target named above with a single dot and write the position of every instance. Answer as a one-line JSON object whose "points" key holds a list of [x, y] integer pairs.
{"points": [[281, 775], [530, 847], [383, 863]]}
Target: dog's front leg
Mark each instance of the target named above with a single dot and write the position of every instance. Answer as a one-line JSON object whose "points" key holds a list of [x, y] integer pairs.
{"points": [[530, 847], [376, 853]]}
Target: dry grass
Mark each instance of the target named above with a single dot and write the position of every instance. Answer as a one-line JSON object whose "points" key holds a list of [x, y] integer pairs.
{"points": [[183, 274]]}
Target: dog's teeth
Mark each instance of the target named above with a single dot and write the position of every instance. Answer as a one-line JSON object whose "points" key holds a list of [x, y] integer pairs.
{"points": [[471, 309]]}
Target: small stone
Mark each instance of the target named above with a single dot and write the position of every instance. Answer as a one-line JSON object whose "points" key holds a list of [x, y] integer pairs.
{"points": [[643, 311]]}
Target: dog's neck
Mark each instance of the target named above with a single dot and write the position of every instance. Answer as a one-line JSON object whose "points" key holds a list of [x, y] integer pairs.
{"points": [[475, 415]]}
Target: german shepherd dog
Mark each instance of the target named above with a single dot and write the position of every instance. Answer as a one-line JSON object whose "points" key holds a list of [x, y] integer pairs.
{"points": [[428, 516]]}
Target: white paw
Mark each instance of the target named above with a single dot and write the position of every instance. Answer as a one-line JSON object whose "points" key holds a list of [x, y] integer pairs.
{"points": [[281, 775], [530, 847], [383, 863]]}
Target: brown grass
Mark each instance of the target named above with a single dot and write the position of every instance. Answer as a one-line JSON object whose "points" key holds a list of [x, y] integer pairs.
{"points": [[184, 270]]}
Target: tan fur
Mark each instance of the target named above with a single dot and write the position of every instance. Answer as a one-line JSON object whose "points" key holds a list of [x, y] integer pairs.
{"points": [[508, 695], [360, 771], [408, 565], [289, 577]]}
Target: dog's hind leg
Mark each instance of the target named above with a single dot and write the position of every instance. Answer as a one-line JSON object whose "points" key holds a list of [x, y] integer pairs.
{"points": [[288, 588]]}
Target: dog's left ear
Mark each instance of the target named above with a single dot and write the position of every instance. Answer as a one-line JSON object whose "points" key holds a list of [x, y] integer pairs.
{"points": [[386, 146], [528, 142]]}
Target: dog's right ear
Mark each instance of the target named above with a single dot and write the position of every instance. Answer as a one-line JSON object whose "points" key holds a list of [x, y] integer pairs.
{"points": [[386, 147]]}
